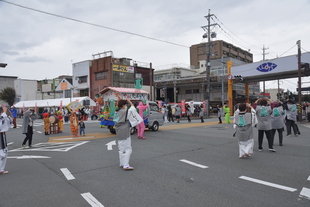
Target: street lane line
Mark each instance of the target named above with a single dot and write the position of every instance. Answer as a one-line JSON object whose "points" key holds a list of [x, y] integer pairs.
{"points": [[67, 173], [308, 178], [194, 164], [282, 187], [91, 200], [305, 193]]}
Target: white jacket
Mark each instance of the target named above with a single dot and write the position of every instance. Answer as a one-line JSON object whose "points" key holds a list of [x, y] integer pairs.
{"points": [[5, 122]]}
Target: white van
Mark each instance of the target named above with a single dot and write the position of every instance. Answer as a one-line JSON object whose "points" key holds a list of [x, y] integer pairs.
{"points": [[155, 118]]}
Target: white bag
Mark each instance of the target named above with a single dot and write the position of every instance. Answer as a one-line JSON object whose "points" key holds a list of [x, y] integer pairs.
{"points": [[133, 117]]}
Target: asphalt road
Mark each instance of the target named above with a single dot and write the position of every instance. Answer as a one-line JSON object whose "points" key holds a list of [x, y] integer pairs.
{"points": [[182, 164]]}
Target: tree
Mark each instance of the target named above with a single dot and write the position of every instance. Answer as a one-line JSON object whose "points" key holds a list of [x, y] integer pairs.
{"points": [[8, 95]]}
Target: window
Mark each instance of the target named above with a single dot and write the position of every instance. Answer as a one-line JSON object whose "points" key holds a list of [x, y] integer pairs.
{"points": [[83, 79], [188, 91], [153, 107], [195, 90], [101, 75]]}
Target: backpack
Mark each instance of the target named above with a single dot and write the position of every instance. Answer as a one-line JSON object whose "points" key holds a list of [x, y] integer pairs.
{"points": [[263, 112]]}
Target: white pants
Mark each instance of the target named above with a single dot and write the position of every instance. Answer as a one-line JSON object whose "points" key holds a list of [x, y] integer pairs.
{"points": [[166, 119], [246, 147], [124, 150], [3, 158]]}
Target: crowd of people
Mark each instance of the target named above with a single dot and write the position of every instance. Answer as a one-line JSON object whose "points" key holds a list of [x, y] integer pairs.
{"points": [[268, 117]]}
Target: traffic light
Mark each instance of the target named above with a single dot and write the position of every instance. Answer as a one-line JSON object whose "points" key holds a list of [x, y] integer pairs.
{"points": [[239, 77]]}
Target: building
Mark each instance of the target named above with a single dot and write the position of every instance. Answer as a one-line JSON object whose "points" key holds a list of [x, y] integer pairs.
{"points": [[91, 76], [219, 49], [27, 90], [174, 86], [275, 93]]}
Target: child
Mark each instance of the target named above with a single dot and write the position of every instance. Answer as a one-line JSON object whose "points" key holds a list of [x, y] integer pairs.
{"points": [[46, 123], [244, 120], [82, 127]]}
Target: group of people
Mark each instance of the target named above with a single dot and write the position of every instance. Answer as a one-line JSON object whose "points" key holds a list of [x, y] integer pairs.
{"points": [[269, 117]]}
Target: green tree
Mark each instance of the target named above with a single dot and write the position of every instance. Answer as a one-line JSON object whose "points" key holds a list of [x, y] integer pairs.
{"points": [[8, 95]]}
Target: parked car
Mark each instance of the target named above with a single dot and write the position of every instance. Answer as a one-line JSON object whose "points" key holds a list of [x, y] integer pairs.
{"points": [[155, 119]]}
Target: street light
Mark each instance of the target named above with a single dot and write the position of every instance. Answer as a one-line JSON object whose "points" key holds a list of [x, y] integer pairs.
{"points": [[3, 65]]}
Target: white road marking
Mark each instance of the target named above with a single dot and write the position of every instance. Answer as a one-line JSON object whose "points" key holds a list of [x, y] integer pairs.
{"points": [[39, 132], [91, 200], [67, 173], [74, 138], [10, 143], [110, 144], [28, 157], [195, 164], [308, 178], [305, 193], [282, 187], [63, 147]]}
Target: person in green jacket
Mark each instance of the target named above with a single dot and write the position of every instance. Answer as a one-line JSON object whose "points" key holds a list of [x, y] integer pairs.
{"points": [[227, 114]]}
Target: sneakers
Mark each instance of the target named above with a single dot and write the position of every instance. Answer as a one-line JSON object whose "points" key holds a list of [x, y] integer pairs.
{"points": [[141, 138], [260, 150], [23, 146], [4, 172], [247, 154], [272, 150], [128, 168]]}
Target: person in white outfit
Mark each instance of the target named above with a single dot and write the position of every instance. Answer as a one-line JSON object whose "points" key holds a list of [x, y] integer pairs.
{"points": [[244, 121], [123, 131], [5, 123]]}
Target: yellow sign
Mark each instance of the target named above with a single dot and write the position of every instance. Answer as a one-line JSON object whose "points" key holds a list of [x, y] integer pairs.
{"points": [[123, 68], [73, 106], [120, 68]]}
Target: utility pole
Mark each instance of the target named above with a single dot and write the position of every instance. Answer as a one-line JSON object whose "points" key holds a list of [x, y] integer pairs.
{"points": [[299, 78], [208, 65], [264, 54], [222, 60]]}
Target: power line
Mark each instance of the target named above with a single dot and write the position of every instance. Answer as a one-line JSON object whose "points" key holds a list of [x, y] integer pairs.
{"points": [[287, 50], [92, 24]]}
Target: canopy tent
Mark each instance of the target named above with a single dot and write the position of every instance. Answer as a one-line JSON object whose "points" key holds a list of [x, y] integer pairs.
{"points": [[54, 102]]}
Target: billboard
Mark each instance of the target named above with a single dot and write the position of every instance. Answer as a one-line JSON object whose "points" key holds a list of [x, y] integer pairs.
{"points": [[123, 68]]}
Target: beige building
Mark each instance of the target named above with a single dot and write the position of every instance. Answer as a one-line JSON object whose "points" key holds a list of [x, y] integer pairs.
{"points": [[219, 49]]}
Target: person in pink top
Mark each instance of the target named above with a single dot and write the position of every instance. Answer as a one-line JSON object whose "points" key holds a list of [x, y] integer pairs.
{"points": [[141, 107]]}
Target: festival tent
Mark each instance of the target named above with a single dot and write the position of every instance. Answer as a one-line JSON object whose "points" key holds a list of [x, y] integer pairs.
{"points": [[54, 102]]}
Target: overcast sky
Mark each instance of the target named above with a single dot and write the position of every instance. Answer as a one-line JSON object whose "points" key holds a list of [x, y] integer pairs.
{"points": [[38, 46]]}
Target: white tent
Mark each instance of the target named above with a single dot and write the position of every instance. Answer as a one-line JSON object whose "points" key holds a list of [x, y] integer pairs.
{"points": [[53, 102]]}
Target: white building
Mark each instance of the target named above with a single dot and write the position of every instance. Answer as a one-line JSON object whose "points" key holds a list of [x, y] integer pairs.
{"points": [[80, 78]]}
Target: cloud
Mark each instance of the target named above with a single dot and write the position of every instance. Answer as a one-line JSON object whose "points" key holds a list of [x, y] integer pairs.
{"points": [[32, 59], [33, 41]]}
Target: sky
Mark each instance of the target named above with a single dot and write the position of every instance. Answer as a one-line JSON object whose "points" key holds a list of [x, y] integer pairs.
{"points": [[37, 45]]}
